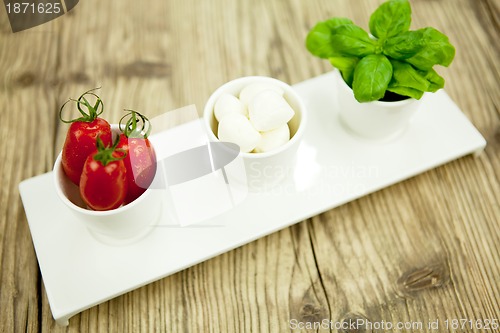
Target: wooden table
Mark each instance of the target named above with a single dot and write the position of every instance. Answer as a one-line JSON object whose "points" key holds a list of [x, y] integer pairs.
{"points": [[423, 250]]}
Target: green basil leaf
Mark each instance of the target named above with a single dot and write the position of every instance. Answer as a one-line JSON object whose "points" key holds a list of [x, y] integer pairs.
{"points": [[371, 78], [436, 82], [318, 40], [405, 75], [349, 40], [337, 22], [390, 19], [405, 91], [346, 66], [404, 45], [436, 50]]}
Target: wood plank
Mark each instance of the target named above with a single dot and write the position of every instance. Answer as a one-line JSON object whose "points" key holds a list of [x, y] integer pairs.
{"points": [[27, 64], [422, 250]]}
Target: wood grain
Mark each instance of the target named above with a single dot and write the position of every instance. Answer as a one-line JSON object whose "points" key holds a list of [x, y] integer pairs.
{"points": [[423, 250]]}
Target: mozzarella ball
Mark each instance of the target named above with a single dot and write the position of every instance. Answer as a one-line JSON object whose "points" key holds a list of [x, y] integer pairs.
{"points": [[269, 110], [273, 139], [228, 104], [237, 129], [252, 90]]}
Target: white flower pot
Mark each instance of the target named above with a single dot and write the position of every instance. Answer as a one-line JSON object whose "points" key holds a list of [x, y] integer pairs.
{"points": [[374, 120]]}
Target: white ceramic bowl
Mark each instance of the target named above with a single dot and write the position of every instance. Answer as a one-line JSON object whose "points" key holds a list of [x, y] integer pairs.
{"points": [[263, 170], [374, 120], [119, 226]]}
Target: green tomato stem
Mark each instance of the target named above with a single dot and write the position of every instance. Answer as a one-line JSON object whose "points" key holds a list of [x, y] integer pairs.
{"points": [[92, 111], [105, 154], [137, 125]]}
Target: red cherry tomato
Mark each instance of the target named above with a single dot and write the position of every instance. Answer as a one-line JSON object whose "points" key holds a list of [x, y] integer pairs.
{"points": [[140, 160], [81, 137], [103, 184], [140, 163], [80, 143]]}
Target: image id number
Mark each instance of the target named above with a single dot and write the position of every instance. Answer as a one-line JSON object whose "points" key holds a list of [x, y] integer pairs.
{"points": [[478, 324], [31, 8]]}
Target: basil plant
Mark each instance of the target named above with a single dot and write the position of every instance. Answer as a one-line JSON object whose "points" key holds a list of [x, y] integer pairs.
{"points": [[392, 61]]}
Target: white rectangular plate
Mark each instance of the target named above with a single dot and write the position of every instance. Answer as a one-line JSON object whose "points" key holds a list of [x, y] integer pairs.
{"points": [[333, 167]]}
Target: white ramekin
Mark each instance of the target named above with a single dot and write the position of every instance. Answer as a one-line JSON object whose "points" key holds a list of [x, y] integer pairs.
{"points": [[263, 170], [122, 225]]}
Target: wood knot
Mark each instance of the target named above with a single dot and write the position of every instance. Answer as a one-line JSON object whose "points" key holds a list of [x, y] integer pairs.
{"points": [[494, 139], [146, 69], [431, 276], [311, 313], [26, 79], [79, 77], [354, 322]]}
